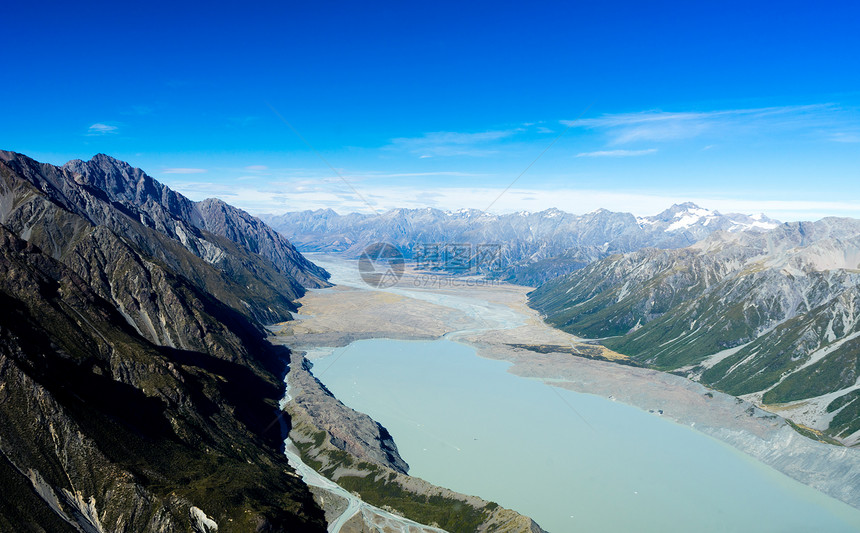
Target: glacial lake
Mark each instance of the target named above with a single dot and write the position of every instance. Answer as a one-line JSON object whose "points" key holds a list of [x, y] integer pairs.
{"points": [[571, 461]]}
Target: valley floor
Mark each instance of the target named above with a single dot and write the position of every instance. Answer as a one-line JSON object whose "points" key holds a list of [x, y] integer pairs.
{"points": [[495, 320]]}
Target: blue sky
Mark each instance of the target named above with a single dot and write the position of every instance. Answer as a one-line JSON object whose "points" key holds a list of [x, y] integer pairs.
{"points": [[750, 107]]}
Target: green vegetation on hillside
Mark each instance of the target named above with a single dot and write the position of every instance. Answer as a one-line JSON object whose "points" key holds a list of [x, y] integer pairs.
{"points": [[382, 487]]}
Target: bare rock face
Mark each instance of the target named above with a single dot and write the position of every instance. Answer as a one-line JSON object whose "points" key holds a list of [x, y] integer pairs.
{"points": [[223, 219], [162, 208]]}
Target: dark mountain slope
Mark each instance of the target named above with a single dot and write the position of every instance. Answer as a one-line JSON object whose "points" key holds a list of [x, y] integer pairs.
{"points": [[109, 432]]}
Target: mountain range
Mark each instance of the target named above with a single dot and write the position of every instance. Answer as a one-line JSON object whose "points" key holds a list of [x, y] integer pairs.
{"points": [[526, 248], [139, 392]]}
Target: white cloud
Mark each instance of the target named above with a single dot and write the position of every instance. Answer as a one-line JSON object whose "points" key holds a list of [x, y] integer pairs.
{"points": [[617, 153], [440, 173], [656, 125], [101, 129], [451, 143], [257, 168], [183, 170]]}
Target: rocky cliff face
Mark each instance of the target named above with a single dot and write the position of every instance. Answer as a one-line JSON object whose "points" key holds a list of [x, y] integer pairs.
{"points": [[531, 247], [771, 316], [162, 208], [137, 389]]}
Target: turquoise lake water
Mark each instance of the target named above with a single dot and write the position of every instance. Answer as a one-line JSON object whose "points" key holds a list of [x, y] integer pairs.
{"points": [[573, 462]]}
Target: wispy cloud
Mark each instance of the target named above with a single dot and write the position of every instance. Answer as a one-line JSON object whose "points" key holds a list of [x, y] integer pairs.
{"points": [[100, 128], [383, 175], [183, 170], [451, 143], [258, 168], [657, 125], [617, 153], [845, 137]]}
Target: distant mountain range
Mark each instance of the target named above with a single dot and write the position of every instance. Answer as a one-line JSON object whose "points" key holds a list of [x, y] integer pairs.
{"points": [[773, 316], [530, 247]]}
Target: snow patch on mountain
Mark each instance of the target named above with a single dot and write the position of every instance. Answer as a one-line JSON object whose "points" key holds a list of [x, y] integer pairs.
{"points": [[691, 217]]}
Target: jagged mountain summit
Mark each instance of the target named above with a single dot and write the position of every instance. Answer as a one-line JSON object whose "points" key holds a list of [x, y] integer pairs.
{"points": [[532, 247], [773, 317], [165, 210]]}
